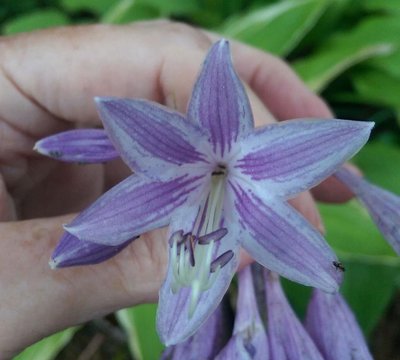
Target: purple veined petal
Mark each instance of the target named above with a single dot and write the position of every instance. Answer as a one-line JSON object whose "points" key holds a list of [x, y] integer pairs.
{"points": [[79, 146], [382, 205], [71, 251], [133, 207], [334, 329], [152, 139], [293, 156], [207, 342], [173, 321], [282, 240], [249, 340], [219, 102], [287, 337]]}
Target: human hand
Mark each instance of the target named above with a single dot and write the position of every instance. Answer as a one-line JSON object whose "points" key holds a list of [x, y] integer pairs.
{"points": [[49, 79]]}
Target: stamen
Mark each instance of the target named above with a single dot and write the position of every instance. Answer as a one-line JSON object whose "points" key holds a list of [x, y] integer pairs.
{"points": [[177, 236], [192, 253], [214, 236], [221, 260], [221, 170], [190, 244]]}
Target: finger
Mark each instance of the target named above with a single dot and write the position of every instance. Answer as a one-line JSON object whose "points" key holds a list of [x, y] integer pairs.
{"points": [[52, 300], [7, 206]]}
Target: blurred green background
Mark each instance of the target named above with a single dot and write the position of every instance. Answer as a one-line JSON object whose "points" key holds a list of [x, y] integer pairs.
{"points": [[346, 50]]}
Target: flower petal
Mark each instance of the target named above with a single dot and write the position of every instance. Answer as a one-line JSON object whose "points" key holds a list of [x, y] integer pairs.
{"points": [[208, 340], [280, 239], [134, 206], [382, 205], [219, 102], [173, 321], [80, 146], [287, 337], [71, 251], [334, 328], [249, 340], [293, 156], [152, 139]]}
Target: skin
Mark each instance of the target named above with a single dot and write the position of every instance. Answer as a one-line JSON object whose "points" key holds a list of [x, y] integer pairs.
{"points": [[48, 80]]}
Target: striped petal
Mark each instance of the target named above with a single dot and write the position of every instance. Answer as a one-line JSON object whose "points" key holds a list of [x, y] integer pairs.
{"points": [[208, 340], [152, 139], [334, 328], [280, 239], [293, 156], [78, 146], [175, 322], [382, 205], [219, 102], [71, 251], [287, 337], [133, 207], [249, 340]]}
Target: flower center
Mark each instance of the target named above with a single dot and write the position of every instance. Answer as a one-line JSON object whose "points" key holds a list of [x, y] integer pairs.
{"points": [[194, 260]]}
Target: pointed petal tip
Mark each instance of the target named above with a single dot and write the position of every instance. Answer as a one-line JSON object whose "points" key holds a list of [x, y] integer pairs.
{"points": [[53, 264], [36, 147], [101, 101]]}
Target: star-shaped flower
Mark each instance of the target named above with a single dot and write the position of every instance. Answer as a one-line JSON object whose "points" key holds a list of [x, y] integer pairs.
{"points": [[220, 184]]}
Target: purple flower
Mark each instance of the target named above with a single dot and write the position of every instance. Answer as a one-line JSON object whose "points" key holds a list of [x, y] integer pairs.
{"points": [[249, 339], [80, 146], [71, 251], [334, 328], [207, 342], [220, 184], [382, 205], [287, 337]]}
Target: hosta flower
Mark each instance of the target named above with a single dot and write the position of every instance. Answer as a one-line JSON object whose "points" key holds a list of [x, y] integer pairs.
{"points": [[207, 342], [79, 146], [382, 205], [288, 339], [71, 251], [249, 339], [220, 184], [334, 328]]}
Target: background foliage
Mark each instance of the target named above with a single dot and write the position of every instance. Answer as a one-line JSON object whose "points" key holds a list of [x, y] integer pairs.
{"points": [[346, 50]]}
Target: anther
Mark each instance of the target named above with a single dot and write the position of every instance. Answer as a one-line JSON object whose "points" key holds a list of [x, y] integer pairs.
{"points": [[221, 260], [213, 236], [177, 237], [220, 170]]}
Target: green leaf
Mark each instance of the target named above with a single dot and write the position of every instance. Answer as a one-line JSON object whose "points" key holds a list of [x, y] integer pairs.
{"points": [[35, 20], [373, 37], [381, 164], [349, 229], [386, 5], [378, 87], [49, 347], [277, 28], [125, 11], [139, 324], [169, 7], [389, 63], [98, 7]]}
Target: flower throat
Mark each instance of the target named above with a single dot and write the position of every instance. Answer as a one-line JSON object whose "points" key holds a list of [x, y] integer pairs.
{"points": [[194, 263]]}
